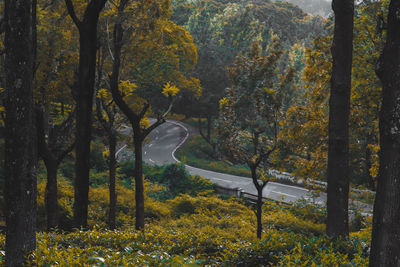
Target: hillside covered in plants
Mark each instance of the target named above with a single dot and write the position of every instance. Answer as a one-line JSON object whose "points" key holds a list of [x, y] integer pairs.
{"points": [[199, 133]]}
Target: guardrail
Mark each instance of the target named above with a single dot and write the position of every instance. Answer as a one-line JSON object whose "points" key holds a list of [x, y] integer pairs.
{"points": [[238, 192]]}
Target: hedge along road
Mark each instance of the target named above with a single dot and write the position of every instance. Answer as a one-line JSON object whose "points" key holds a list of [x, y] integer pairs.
{"points": [[171, 135]]}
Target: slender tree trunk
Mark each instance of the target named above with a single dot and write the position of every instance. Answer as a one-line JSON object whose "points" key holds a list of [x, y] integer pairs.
{"points": [[85, 90], [209, 124], [385, 245], [51, 194], [139, 190], [112, 169], [339, 110], [259, 212], [20, 135], [259, 200]]}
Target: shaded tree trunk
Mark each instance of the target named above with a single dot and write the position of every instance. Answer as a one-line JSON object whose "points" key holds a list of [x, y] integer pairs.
{"points": [[259, 203], [339, 110], [51, 198], [259, 212], [139, 190], [112, 165], [20, 136], [385, 245], [139, 134], [52, 157], [84, 89], [51, 194], [87, 61], [207, 137]]}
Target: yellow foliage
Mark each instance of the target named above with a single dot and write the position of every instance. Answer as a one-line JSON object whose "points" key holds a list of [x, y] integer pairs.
{"points": [[223, 102], [170, 90]]}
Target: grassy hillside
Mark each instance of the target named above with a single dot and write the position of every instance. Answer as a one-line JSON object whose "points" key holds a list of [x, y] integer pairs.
{"points": [[192, 227]]}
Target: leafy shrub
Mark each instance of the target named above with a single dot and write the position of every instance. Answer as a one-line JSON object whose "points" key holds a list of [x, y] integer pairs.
{"points": [[177, 181], [97, 160], [196, 152], [98, 178], [193, 230]]}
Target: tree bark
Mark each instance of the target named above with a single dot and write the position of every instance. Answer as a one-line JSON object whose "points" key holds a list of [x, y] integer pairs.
{"points": [[339, 110], [112, 165], [259, 212], [84, 89], [139, 190], [20, 135], [51, 194], [259, 200], [385, 245]]}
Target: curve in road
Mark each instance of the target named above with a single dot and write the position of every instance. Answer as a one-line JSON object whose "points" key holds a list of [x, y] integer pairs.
{"points": [[171, 135]]}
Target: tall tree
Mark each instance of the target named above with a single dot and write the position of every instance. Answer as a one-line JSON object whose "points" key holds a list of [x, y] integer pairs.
{"points": [[250, 114], [20, 140], [158, 58], [339, 111], [53, 147], [304, 131], [107, 114], [56, 61], [385, 247], [83, 91]]}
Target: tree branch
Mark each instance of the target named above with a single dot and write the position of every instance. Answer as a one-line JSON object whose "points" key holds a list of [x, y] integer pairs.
{"points": [[72, 14], [66, 152]]}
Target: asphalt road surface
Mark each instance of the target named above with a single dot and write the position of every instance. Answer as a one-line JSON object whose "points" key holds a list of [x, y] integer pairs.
{"points": [[168, 137]]}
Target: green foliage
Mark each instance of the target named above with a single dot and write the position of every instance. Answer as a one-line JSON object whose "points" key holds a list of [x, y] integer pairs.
{"points": [[224, 28], [177, 181], [304, 145], [250, 112], [97, 161], [196, 152], [202, 230]]}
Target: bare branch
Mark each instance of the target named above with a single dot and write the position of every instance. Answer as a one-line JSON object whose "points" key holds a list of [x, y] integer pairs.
{"points": [[66, 152], [144, 110], [108, 41]]}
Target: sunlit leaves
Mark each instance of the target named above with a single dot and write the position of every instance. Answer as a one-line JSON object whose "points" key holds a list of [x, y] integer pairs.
{"points": [[170, 90]]}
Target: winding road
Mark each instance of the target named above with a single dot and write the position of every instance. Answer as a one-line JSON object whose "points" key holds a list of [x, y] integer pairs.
{"points": [[168, 137]]}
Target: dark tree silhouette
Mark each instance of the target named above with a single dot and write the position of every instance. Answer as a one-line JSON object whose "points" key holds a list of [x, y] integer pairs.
{"points": [[53, 150], [385, 248], [20, 140], [339, 110], [83, 92]]}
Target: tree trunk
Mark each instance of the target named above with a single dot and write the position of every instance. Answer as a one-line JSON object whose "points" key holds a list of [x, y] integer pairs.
{"points": [[339, 109], [385, 245], [139, 190], [259, 199], [112, 165], [259, 212], [20, 135], [85, 90], [51, 194]]}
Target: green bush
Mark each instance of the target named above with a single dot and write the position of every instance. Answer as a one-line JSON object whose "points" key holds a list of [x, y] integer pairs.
{"points": [[97, 160], [177, 181], [197, 152]]}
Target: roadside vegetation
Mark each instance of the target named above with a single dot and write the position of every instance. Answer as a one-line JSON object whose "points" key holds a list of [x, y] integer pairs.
{"points": [[270, 86], [197, 152], [187, 225]]}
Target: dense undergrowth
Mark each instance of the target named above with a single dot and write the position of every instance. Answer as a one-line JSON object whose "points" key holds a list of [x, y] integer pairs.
{"points": [[188, 225]]}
